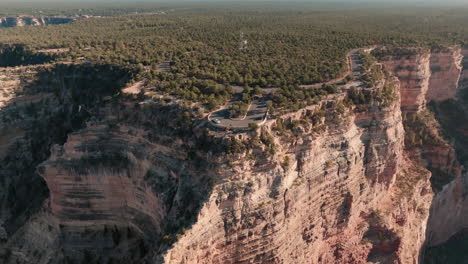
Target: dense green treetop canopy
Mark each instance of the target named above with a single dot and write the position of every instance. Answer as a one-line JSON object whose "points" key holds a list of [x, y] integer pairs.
{"points": [[284, 46]]}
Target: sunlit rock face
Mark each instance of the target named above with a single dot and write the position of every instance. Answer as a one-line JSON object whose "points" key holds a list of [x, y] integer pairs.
{"points": [[444, 155], [412, 67], [343, 186], [322, 207], [450, 208], [446, 70]]}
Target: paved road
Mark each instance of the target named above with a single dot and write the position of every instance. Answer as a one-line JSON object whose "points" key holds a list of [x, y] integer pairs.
{"points": [[256, 114], [356, 64], [258, 109]]}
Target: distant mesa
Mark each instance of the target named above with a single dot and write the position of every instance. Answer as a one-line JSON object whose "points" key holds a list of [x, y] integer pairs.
{"points": [[20, 21]]}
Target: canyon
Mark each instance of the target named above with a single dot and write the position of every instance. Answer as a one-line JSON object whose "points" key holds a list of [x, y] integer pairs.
{"points": [[379, 180], [20, 21], [347, 203]]}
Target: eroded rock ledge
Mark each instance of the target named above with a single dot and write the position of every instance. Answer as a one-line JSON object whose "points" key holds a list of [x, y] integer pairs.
{"points": [[343, 181], [335, 191]]}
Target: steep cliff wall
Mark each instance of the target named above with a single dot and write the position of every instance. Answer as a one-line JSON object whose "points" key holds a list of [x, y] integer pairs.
{"points": [[425, 77], [84, 188], [412, 67], [29, 232], [445, 74], [439, 142], [98, 185], [450, 208], [335, 192], [343, 181]]}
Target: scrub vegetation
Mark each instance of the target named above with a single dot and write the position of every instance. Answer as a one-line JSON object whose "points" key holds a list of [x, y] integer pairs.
{"points": [[206, 50]]}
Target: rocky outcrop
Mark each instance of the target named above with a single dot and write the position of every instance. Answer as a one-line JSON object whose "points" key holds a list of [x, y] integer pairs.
{"points": [[29, 231], [412, 67], [330, 195], [21, 21], [98, 186], [449, 208], [89, 187], [349, 180], [438, 142], [445, 74]]}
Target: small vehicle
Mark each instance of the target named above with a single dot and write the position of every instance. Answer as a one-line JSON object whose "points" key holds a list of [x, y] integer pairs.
{"points": [[216, 121]]}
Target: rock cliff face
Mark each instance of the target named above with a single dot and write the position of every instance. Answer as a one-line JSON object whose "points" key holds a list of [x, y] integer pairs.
{"points": [[335, 196], [425, 75], [82, 188], [423, 133], [21, 21], [342, 222], [440, 145], [445, 74], [449, 209], [118, 186], [412, 67], [136, 181]]}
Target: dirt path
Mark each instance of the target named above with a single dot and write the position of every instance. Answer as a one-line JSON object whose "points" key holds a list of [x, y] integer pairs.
{"points": [[134, 89]]}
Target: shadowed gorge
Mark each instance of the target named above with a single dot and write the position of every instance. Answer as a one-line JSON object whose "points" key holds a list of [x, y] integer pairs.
{"points": [[82, 180], [36, 119], [19, 55]]}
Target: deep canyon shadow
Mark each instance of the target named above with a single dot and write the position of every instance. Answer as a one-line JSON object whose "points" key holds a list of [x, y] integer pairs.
{"points": [[453, 118]]}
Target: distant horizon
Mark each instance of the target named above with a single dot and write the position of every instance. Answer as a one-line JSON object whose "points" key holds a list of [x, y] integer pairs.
{"points": [[12, 4], [425, 2]]}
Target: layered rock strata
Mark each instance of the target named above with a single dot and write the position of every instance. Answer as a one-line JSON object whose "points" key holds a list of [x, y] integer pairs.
{"points": [[327, 196], [412, 67], [442, 141], [446, 70], [450, 208], [338, 182]]}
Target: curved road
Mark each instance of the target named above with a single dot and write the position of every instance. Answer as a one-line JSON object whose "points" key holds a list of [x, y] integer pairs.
{"points": [[256, 114], [258, 110]]}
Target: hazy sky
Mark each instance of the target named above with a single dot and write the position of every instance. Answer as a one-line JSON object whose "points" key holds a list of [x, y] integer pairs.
{"points": [[421, 3], [308, 1]]}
